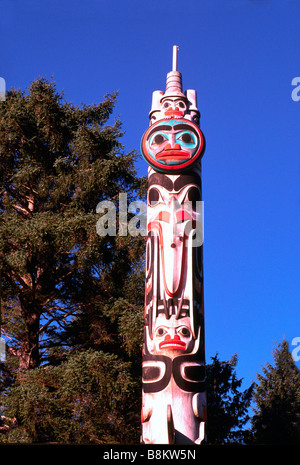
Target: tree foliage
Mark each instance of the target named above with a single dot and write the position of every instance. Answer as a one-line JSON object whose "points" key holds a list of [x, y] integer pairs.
{"points": [[89, 398], [70, 298], [227, 406], [276, 417], [57, 161]]}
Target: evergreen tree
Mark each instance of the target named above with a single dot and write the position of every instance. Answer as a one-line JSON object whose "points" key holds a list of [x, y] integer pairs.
{"points": [[89, 398], [57, 161], [277, 397], [227, 406], [72, 301]]}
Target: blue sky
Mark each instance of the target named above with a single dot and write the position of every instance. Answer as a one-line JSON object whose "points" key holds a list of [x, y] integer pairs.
{"points": [[241, 57]]}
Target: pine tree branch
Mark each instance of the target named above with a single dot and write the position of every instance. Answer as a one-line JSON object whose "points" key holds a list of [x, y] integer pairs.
{"points": [[24, 211], [57, 319], [14, 276]]}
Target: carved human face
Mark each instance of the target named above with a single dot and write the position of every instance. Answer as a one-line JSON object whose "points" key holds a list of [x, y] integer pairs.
{"points": [[172, 335], [173, 107], [172, 144]]}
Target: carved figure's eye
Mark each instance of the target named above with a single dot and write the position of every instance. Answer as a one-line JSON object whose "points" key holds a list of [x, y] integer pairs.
{"points": [[158, 139], [186, 138], [193, 194], [153, 196], [181, 104], [166, 105], [160, 332], [185, 332]]}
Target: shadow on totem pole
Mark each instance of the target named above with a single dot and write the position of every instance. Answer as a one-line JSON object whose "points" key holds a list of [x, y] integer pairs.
{"points": [[182, 439]]}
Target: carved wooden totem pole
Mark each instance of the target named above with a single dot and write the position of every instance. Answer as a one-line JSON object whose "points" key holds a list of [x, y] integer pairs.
{"points": [[174, 397]]}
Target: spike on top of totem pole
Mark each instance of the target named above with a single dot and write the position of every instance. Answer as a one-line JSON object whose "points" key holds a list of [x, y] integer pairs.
{"points": [[174, 140], [173, 103]]}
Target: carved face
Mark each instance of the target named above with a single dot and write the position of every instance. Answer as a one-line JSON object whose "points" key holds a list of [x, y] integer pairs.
{"points": [[173, 107], [171, 145], [172, 335]]}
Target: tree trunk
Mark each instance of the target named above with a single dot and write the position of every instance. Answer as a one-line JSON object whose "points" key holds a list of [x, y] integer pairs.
{"points": [[28, 351]]}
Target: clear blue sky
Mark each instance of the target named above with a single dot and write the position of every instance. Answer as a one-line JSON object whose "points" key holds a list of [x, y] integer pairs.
{"points": [[240, 56]]}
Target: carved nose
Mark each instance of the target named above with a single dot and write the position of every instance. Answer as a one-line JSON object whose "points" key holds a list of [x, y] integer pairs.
{"points": [[176, 147], [175, 338]]}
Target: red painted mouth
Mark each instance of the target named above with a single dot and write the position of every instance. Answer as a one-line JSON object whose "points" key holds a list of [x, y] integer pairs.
{"points": [[173, 155], [172, 344], [172, 112]]}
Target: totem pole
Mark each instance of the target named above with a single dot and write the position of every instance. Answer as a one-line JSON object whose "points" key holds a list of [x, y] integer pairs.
{"points": [[174, 397]]}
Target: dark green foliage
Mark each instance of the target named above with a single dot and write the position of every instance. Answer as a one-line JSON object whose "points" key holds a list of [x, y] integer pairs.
{"points": [[277, 397], [70, 299], [227, 406], [57, 161], [90, 398]]}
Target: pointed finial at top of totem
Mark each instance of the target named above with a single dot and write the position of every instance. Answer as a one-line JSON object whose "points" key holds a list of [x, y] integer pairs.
{"points": [[173, 103], [174, 78], [174, 64]]}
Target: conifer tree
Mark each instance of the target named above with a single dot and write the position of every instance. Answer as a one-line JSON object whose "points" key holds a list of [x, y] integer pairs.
{"points": [[57, 162], [72, 301], [277, 396], [90, 398], [227, 406]]}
